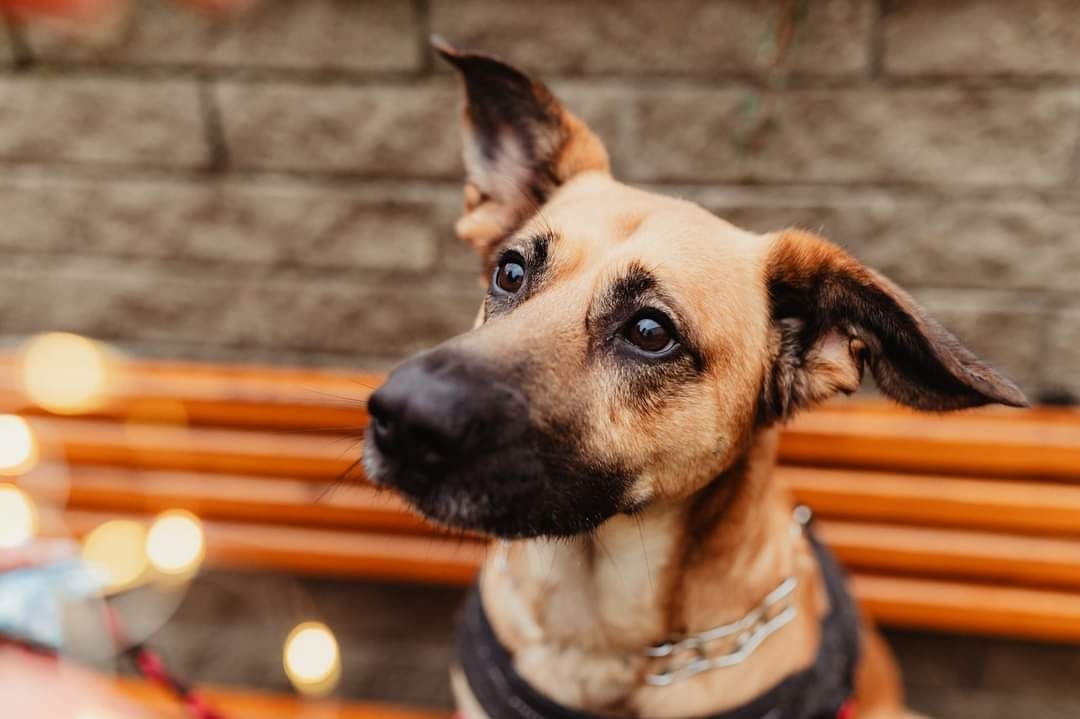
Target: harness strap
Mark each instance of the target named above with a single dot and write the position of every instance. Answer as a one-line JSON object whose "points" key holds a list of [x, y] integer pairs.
{"points": [[822, 691]]}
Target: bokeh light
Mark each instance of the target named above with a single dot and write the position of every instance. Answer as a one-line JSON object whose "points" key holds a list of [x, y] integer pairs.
{"points": [[18, 517], [175, 544], [117, 548], [18, 447], [312, 659], [64, 373]]}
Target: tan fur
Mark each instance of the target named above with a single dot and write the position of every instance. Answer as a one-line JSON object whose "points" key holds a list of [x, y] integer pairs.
{"points": [[577, 613], [711, 532]]}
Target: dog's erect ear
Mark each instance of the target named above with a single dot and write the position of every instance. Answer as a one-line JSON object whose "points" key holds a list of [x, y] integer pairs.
{"points": [[831, 315], [520, 144]]}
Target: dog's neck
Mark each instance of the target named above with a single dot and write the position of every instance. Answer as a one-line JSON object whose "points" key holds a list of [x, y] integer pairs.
{"points": [[578, 614]]}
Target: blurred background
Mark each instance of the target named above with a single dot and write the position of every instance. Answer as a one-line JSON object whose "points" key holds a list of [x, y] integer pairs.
{"points": [[279, 185], [275, 182]]}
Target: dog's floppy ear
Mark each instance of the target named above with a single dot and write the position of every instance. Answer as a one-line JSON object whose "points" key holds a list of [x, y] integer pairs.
{"points": [[831, 316], [520, 144]]}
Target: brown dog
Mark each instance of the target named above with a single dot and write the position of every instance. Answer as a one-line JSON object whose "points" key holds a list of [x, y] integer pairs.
{"points": [[614, 412]]}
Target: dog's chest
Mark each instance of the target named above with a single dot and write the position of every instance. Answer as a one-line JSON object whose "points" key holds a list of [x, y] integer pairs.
{"points": [[577, 616]]}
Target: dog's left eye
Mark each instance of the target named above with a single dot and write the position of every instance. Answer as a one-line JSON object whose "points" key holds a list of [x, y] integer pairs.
{"points": [[649, 334], [510, 274]]}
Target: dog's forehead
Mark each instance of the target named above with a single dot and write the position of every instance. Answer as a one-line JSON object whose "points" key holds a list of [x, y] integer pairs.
{"points": [[603, 225]]}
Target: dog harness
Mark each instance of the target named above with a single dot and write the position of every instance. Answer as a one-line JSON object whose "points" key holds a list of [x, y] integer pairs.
{"points": [[822, 691]]}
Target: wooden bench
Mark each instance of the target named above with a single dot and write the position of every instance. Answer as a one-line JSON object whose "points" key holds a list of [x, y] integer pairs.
{"points": [[967, 522]]}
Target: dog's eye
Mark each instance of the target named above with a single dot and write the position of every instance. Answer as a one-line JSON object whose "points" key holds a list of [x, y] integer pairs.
{"points": [[648, 334], [510, 274]]}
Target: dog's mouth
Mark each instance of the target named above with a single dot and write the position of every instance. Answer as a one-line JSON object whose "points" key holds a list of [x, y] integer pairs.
{"points": [[458, 438], [513, 493]]}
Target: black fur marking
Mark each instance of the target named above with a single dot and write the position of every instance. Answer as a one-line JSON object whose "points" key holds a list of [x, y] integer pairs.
{"points": [[501, 99], [535, 251], [519, 478], [645, 384], [913, 359]]}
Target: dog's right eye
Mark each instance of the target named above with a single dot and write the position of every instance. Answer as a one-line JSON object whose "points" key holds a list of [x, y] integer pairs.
{"points": [[650, 334], [510, 274]]}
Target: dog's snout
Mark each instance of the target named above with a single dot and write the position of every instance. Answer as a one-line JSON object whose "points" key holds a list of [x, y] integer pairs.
{"points": [[438, 409]]}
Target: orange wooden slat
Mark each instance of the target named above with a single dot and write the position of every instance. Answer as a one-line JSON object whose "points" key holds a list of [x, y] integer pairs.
{"points": [[1028, 446], [947, 605], [1025, 506], [228, 395], [954, 554], [919, 550], [238, 498], [239, 704], [197, 449], [1044, 442], [970, 608], [324, 552]]}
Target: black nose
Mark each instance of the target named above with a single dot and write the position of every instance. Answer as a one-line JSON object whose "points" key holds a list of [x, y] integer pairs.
{"points": [[441, 407]]}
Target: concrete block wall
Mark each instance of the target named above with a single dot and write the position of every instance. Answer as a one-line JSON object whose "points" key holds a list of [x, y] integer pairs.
{"points": [[281, 186]]}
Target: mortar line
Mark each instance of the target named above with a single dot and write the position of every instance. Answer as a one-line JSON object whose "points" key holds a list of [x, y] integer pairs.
{"points": [[422, 8], [876, 41], [213, 127]]}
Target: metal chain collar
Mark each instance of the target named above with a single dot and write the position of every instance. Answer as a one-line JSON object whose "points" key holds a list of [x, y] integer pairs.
{"points": [[690, 654]]}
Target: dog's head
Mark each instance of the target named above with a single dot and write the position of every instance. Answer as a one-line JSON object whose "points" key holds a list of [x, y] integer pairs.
{"points": [[630, 344]]}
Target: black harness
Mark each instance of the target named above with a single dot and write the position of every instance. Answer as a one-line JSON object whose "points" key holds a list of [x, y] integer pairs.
{"points": [[822, 691]]}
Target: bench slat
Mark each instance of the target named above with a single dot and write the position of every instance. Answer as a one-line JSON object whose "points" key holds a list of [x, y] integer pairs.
{"points": [[970, 608], [1043, 444], [948, 605], [237, 704], [867, 434], [957, 554], [1024, 506], [427, 559]]}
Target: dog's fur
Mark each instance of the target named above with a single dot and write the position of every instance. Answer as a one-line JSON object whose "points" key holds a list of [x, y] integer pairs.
{"points": [[639, 488]]}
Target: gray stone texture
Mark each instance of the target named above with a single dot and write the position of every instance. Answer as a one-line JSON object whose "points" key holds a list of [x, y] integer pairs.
{"points": [[293, 309], [7, 47], [50, 118], [924, 238], [339, 35], [282, 186], [228, 222], [1063, 353], [686, 37], [945, 136], [979, 37], [386, 130]]}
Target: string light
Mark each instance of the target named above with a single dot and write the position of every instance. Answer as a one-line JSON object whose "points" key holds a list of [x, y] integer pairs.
{"points": [[175, 544], [18, 448], [312, 659], [117, 549], [18, 517], [64, 373]]}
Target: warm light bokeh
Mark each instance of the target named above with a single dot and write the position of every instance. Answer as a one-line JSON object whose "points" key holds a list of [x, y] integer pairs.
{"points": [[18, 447], [118, 549], [312, 659], [18, 517], [175, 544], [64, 373]]}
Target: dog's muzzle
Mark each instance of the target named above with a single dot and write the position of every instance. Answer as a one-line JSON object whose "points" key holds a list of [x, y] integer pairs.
{"points": [[441, 408], [455, 437]]}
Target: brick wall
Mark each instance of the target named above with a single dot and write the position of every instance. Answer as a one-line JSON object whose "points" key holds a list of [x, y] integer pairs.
{"points": [[281, 187]]}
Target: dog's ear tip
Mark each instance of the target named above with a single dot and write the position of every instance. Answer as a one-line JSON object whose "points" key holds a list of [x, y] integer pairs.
{"points": [[448, 51], [444, 47]]}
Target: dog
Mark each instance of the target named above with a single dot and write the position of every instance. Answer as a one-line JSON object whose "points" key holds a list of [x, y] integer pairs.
{"points": [[612, 419]]}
